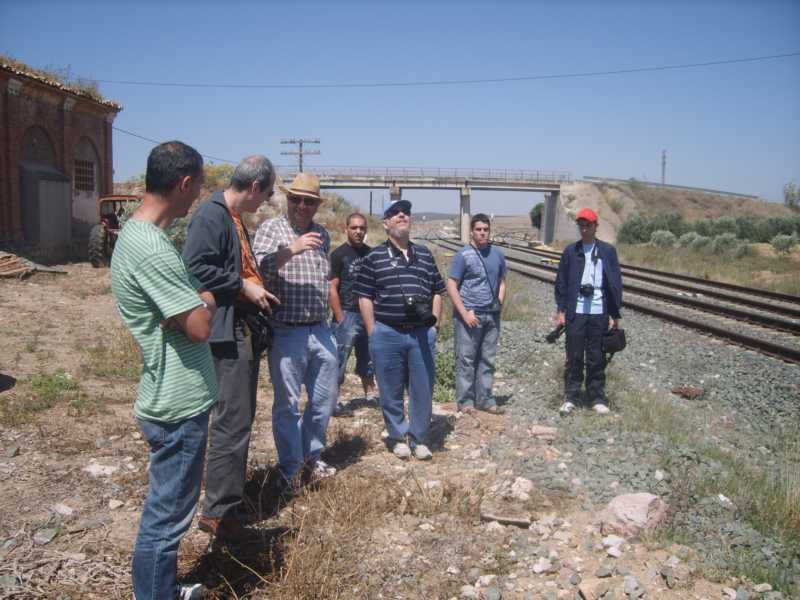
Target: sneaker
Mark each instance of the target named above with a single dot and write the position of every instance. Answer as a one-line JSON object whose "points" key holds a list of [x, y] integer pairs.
{"points": [[373, 398], [191, 591], [421, 452], [322, 470], [600, 409], [401, 450], [340, 410], [494, 410], [566, 408], [467, 409]]}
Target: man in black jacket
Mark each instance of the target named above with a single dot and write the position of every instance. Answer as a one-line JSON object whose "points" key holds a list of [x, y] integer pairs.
{"points": [[219, 254], [588, 296]]}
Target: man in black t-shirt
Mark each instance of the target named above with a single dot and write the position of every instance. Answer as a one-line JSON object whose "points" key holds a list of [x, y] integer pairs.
{"points": [[349, 330]]}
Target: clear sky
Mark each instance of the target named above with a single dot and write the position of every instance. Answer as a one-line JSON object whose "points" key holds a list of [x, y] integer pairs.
{"points": [[734, 127]]}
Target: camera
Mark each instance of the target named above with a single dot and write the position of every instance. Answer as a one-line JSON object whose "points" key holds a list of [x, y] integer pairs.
{"points": [[587, 290], [554, 335], [419, 310]]}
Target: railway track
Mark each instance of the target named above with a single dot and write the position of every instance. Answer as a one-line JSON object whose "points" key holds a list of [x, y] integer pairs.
{"points": [[736, 318]]}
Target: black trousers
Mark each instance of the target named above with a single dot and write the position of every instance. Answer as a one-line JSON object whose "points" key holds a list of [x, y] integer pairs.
{"points": [[232, 417], [584, 338]]}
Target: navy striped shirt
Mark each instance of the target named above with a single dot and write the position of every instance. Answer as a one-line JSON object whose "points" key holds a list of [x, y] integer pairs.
{"points": [[387, 278]]}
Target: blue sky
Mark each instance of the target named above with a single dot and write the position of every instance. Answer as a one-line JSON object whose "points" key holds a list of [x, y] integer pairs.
{"points": [[733, 127]]}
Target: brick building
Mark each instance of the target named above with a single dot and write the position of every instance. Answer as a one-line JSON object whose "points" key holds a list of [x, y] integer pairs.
{"points": [[55, 161]]}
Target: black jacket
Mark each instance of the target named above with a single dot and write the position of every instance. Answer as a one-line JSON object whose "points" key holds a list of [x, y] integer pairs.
{"points": [[212, 254], [570, 272]]}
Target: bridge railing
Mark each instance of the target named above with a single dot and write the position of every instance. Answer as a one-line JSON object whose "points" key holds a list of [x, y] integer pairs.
{"points": [[451, 174]]}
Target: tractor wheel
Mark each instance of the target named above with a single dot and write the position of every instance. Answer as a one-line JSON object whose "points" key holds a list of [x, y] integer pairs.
{"points": [[97, 245]]}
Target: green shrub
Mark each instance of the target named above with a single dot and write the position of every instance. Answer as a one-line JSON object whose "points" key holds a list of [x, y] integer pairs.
{"points": [[662, 238], [783, 243], [635, 230], [742, 250], [725, 243], [445, 388], [724, 225], [687, 239], [701, 242]]}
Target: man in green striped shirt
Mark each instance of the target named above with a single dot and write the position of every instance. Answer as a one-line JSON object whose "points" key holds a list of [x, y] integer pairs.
{"points": [[169, 316]]}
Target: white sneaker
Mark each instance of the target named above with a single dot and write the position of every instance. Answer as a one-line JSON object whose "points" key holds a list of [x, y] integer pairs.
{"points": [[421, 452], [373, 398], [323, 470], [401, 450], [566, 408], [601, 409], [191, 591]]}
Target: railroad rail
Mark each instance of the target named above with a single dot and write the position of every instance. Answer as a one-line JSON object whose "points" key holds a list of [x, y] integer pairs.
{"points": [[726, 292], [662, 305]]}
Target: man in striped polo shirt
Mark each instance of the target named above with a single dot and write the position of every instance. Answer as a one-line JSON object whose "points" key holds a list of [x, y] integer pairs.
{"points": [[400, 297], [292, 253], [169, 315]]}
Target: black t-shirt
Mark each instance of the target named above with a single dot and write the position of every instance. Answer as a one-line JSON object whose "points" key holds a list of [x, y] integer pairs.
{"points": [[345, 262]]}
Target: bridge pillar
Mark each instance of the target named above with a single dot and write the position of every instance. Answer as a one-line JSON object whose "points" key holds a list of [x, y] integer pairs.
{"points": [[395, 193], [464, 212], [548, 229]]}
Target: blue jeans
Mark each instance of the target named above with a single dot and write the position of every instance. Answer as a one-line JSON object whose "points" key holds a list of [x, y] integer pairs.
{"points": [[177, 452], [476, 350], [405, 358], [351, 333], [302, 355]]}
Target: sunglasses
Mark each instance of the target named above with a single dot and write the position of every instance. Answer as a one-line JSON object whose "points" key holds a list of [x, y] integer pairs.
{"points": [[305, 201], [398, 212]]}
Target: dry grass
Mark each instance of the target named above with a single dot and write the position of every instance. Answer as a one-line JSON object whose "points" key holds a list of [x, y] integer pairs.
{"points": [[116, 357], [771, 273]]}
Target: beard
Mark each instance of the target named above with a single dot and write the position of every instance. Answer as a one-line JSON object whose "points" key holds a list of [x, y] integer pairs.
{"points": [[399, 232]]}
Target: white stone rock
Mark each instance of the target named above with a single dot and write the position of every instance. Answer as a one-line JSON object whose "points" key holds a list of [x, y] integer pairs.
{"points": [[485, 580], [631, 514], [115, 504], [426, 527], [612, 540], [614, 551], [98, 470], [467, 591], [763, 588], [542, 566], [453, 570], [659, 475], [63, 509]]}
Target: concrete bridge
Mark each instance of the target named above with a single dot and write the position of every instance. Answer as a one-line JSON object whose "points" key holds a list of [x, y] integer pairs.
{"points": [[395, 179]]}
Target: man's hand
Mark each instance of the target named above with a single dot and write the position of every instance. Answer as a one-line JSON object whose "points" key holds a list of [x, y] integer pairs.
{"points": [[258, 296], [613, 323], [561, 319], [307, 241], [470, 319]]}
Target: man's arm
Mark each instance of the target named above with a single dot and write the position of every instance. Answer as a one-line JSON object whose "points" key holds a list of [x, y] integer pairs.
{"points": [[204, 254], [561, 288], [437, 310], [195, 324], [501, 291], [367, 313], [334, 300], [467, 316]]}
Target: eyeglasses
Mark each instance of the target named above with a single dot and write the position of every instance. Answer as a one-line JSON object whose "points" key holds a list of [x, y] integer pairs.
{"points": [[305, 201], [398, 211]]}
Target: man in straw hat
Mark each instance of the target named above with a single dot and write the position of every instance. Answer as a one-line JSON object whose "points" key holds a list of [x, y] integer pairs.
{"points": [[292, 254]]}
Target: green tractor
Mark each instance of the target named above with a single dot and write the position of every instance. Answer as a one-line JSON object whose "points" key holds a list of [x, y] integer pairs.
{"points": [[103, 236]]}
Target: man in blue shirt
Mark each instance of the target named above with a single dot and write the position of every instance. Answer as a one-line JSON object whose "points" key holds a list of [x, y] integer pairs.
{"points": [[588, 296], [399, 292], [477, 287]]}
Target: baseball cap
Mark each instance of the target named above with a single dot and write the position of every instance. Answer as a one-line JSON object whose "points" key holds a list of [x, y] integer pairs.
{"points": [[395, 206], [588, 214]]}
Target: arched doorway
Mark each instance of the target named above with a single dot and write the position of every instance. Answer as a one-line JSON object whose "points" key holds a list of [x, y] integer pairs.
{"points": [[45, 194]]}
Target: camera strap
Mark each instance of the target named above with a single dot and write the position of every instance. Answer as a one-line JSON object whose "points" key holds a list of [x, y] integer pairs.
{"points": [[394, 261], [485, 270]]}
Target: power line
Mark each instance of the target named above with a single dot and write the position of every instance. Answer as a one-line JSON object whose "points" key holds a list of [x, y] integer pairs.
{"points": [[445, 82], [147, 139]]}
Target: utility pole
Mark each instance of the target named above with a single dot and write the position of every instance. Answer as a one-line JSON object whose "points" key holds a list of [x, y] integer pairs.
{"points": [[300, 152], [663, 167], [370, 203]]}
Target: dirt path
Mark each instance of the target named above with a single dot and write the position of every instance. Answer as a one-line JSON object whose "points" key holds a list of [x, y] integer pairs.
{"points": [[73, 476]]}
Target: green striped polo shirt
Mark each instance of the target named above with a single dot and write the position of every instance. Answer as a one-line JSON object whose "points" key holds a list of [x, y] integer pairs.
{"points": [[150, 283]]}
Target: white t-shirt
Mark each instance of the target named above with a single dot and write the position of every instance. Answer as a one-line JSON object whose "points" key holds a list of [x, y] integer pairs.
{"points": [[592, 275]]}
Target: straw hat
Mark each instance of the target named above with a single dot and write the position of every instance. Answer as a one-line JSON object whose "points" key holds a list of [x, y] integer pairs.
{"points": [[304, 184]]}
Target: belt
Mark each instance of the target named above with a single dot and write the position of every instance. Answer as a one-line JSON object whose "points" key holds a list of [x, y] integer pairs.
{"points": [[299, 324], [401, 326]]}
